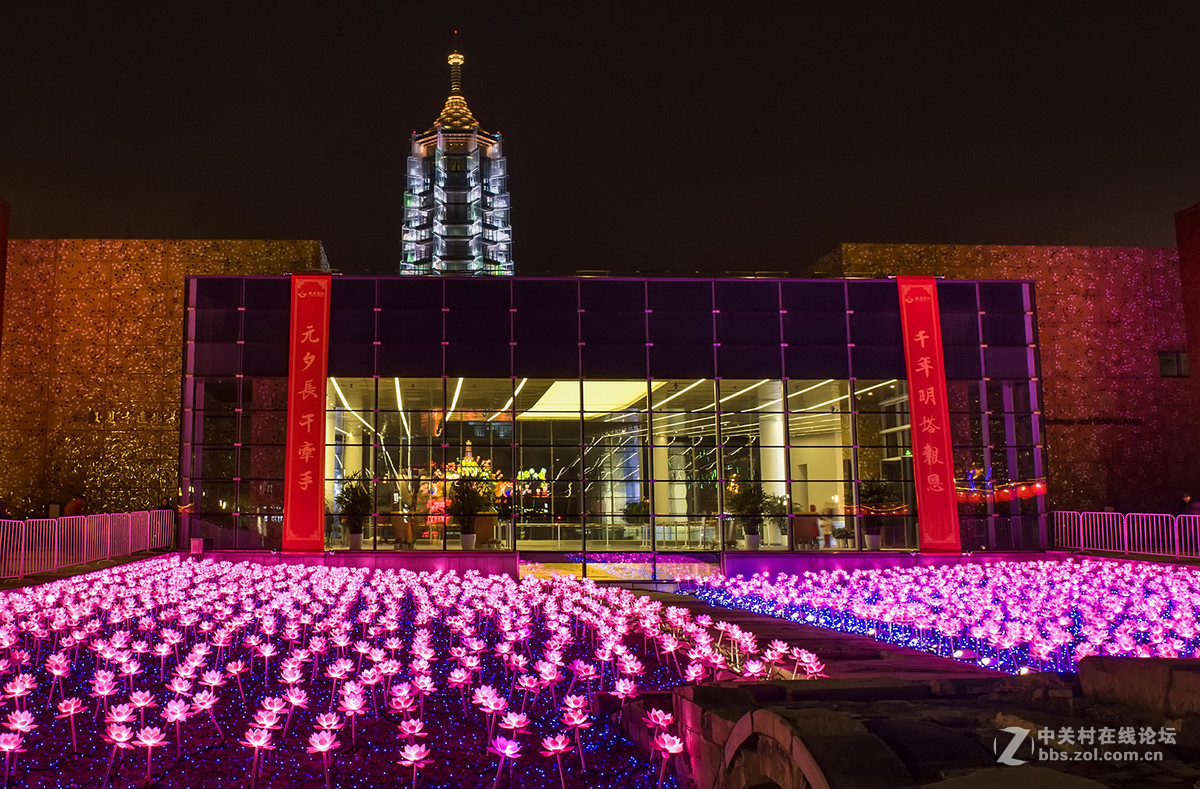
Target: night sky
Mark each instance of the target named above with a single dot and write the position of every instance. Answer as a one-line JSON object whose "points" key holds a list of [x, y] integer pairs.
{"points": [[646, 137]]}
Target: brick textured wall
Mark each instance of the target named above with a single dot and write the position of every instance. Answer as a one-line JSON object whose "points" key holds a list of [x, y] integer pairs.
{"points": [[1187, 235], [1117, 434], [91, 363]]}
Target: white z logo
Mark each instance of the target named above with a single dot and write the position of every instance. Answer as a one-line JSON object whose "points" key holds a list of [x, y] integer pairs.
{"points": [[1019, 734]]}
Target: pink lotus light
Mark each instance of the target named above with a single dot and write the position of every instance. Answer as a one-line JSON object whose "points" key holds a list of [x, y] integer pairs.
{"points": [[69, 709], [212, 679], [657, 719], [20, 721], [235, 669], [625, 689], [506, 749], [556, 746], [180, 687], [204, 701], [177, 711], [59, 666], [11, 744], [517, 722], [577, 720], [142, 700], [412, 728], [149, 737], [668, 745], [322, 741], [119, 736], [259, 740], [416, 757]]}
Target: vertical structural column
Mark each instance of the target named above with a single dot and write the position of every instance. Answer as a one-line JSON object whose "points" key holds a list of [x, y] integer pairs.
{"points": [[3, 262], [1187, 237], [771, 454], [933, 457], [308, 365], [661, 469]]}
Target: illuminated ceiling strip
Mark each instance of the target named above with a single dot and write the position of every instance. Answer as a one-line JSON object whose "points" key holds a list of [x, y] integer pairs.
{"points": [[743, 391], [346, 405], [809, 389], [400, 408], [760, 407], [847, 397], [454, 402], [684, 390], [508, 405]]}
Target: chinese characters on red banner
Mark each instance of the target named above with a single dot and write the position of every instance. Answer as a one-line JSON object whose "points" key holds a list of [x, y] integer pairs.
{"points": [[933, 461], [304, 483]]}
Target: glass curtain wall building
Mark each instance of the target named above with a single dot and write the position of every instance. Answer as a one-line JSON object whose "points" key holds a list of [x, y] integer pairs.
{"points": [[615, 415]]}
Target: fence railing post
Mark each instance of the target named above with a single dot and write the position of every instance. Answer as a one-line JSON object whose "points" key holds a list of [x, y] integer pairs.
{"points": [[21, 566], [54, 554]]}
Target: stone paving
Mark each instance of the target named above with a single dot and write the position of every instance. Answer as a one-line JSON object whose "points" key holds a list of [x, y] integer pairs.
{"points": [[890, 716]]}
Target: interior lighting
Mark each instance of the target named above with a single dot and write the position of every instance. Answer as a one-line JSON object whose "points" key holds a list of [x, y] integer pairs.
{"points": [[453, 402], [400, 408], [346, 405], [508, 405], [743, 391], [684, 390], [809, 389], [562, 399]]}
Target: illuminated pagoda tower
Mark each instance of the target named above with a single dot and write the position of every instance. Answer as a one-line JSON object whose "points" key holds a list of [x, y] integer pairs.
{"points": [[456, 201]]}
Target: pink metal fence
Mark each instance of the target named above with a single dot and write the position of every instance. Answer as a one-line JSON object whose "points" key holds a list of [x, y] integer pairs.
{"points": [[1103, 531], [72, 540], [118, 534], [97, 544], [12, 548], [42, 545], [1187, 529], [1152, 534], [139, 531], [1067, 530], [1142, 533], [162, 528]]}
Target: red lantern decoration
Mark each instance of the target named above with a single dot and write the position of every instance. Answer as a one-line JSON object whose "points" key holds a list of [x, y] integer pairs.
{"points": [[1024, 492]]}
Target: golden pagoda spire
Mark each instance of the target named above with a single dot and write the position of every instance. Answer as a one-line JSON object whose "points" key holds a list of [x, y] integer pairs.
{"points": [[456, 114]]}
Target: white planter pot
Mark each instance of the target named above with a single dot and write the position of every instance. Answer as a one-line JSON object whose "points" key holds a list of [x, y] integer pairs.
{"points": [[356, 542], [753, 541], [873, 541], [468, 542]]}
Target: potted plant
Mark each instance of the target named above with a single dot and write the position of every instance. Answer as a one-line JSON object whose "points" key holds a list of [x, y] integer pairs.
{"points": [[874, 498], [467, 497], [637, 515], [748, 503], [844, 536], [353, 504]]}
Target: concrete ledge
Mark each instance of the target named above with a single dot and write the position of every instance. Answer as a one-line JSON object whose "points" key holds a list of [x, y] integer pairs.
{"points": [[486, 562], [749, 563], [1166, 687]]}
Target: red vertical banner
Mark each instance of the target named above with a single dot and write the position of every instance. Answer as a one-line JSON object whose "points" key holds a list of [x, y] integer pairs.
{"points": [[929, 416], [308, 364]]}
